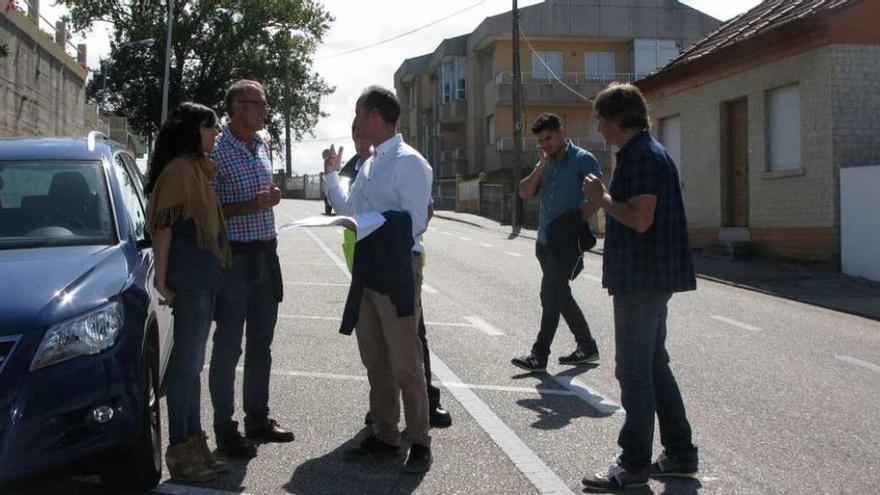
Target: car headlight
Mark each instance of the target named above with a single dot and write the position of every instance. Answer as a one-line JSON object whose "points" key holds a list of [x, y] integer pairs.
{"points": [[83, 335]]}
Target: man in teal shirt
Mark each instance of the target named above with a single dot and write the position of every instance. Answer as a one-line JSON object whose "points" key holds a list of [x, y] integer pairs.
{"points": [[558, 178]]}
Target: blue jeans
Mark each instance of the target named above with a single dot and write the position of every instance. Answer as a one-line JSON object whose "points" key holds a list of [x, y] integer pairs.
{"points": [[246, 305], [646, 382], [193, 312], [556, 301]]}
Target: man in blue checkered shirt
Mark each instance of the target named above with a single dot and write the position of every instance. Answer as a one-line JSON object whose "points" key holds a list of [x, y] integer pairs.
{"points": [[647, 258], [252, 286]]}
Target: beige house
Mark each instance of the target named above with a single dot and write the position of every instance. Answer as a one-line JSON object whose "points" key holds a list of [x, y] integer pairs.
{"points": [[761, 117], [458, 104]]}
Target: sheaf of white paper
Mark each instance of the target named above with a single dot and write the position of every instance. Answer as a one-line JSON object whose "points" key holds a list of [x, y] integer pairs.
{"points": [[366, 223]]}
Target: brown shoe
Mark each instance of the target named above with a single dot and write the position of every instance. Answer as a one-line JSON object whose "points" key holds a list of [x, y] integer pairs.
{"points": [[270, 432], [186, 464], [201, 442]]}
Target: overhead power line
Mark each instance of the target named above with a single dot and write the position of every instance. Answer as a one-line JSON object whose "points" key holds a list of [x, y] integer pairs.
{"points": [[402, 35]]}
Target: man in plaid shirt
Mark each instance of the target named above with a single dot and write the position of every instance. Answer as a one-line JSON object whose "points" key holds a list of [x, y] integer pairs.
{"points": [[647, 258], [253, 286]]}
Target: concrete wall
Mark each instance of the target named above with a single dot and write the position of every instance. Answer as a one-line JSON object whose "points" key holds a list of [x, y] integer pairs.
{"points": [[41, 87], [859, 222], [802, 200]]}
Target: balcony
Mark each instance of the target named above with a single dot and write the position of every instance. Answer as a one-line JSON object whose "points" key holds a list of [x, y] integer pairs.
{"points": [[454, 112], [551, 90]]}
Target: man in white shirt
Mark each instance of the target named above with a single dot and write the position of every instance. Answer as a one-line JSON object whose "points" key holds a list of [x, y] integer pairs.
{"points": [[396, 178]]}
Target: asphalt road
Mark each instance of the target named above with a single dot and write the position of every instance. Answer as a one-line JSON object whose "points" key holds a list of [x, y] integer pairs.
{"points": [[783, 396]]}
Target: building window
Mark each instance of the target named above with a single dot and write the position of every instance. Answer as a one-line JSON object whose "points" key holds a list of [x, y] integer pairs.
{"points": [[412, 93], [460, 77], [784, 127], [652, 54], [490, 130], [553, 61], [600, 65]]}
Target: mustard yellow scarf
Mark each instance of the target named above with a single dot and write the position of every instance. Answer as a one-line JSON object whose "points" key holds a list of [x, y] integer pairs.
{"points": [[183, 190]]}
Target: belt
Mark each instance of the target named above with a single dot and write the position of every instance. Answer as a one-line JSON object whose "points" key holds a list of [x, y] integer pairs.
{"points": [[253, 246]]}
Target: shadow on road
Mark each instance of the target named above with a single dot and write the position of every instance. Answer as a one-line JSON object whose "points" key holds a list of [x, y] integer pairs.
{"points": [[557, 411], [332, 474]]}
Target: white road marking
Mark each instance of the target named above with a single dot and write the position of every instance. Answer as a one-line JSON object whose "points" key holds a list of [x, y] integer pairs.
{"points": [[485, 244], [363, 378], [428, 289], [736, 323], [593, 398], [515, 255], [541, 476], [594, 278], [859, 362], [484, 326], [464, 238], [446, 233]]}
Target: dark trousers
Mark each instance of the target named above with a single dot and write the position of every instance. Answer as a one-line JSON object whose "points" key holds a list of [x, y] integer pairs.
{"points": [[246, 305], [433, 392], [646, 382], [556, 300], [193, 312]]}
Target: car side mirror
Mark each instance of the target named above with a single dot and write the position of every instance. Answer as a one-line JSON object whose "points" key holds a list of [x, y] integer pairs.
{"points": [[144, 243]]}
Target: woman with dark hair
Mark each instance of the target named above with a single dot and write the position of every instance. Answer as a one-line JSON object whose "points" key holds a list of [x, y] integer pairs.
{"points": [[186, 223]]}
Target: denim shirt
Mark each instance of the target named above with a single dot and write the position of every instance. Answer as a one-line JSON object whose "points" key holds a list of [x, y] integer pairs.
{"points": [[561, 185], [660, 258], [191, 268]]}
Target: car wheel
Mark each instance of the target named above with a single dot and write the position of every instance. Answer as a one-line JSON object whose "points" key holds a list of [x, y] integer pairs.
{"points": [[141, 466]]}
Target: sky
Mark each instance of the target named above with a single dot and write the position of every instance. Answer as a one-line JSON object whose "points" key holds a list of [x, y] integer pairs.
{"points": [[360, 23]]}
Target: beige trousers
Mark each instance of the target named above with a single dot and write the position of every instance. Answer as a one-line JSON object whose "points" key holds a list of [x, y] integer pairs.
{"points": [[392, 353]]}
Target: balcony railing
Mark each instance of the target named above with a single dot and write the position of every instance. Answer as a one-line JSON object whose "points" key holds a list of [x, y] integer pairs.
{"points": [[570, 78], [531, 143]]}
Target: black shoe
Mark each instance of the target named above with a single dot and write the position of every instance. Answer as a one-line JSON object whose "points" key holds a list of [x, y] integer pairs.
{"points": [[419, 459], [530, 362], [579, 356], [368, 420], [439, 417], [617, 478], [270, 432], [671, 466], [371, 447], [231, 443]]}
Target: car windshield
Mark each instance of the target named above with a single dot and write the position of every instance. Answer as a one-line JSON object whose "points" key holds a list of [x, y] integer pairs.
{"points": [[53, 203]]}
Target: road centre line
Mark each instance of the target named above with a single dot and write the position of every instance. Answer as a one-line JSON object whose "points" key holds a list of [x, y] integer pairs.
{"points": [[594, 278], [484, 326], [485, 244], [736, 323], [464, 238], [593, 398], [541, 476], [859, 362], [515, 255], [446, 233], [428, 289]]}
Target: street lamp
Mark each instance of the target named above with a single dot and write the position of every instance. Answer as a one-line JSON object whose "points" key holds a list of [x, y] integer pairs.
{"points": [[167, 62]]}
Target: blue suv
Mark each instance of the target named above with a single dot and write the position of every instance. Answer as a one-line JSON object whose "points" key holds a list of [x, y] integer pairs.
{"points": [[83, 340]]}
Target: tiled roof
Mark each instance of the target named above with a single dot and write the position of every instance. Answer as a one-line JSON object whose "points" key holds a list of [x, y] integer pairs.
{"points": [[764, 17]]}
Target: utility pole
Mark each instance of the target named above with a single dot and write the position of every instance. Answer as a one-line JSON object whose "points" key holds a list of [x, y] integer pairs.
{"points": [[167, 62], [516, 221]]}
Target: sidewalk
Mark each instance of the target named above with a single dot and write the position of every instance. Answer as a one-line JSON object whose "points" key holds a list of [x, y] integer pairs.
{"points": [[811, 284]]}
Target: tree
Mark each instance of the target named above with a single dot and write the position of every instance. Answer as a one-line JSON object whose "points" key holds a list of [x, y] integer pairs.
{"points": [[215, 42]]}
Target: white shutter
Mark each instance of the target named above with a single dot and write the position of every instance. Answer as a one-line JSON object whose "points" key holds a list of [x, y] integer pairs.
{"points": [[554, 60], [784, 127], [667, 50], [670, 134], [538, 69], [645, 56]]}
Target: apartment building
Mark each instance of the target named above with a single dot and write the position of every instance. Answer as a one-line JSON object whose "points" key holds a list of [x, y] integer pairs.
{"points": [[458, 100]]}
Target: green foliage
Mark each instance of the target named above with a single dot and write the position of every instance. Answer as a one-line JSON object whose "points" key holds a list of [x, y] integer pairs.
{"points": [[214, 43]]}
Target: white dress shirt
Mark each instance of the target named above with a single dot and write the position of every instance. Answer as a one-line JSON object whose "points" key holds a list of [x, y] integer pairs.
{"points": [[395, 178]]}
